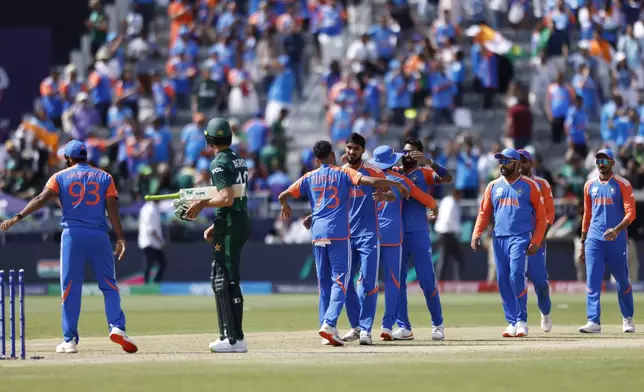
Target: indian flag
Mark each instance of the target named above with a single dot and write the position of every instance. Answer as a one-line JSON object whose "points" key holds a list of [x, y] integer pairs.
{"points": [[495, 42]]}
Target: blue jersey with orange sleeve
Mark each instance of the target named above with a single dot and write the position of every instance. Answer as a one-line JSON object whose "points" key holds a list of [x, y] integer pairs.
{"points": [[82, 190], [517, 208], [606, 204], [363, 214], [415, 213], [548, 199], [390, 214], [328, 189]]}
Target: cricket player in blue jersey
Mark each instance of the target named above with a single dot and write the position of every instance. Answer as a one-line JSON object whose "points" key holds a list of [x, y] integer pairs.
{"points": [[85, 193], [328, 189], [391, 232], [516, 204], [365, 245], [423, 172], [609, 208], [537, 270]]}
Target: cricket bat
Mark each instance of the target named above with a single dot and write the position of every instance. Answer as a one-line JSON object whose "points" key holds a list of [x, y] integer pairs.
{"points": [[187, 194], [198, 194]]}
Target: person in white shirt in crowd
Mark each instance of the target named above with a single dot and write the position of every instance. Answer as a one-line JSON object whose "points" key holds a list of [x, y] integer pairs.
{"points": [[448, 226], [151, 241], [361, 51]]}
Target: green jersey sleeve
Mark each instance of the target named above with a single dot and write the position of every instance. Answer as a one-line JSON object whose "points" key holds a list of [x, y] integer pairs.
{"points": [[222, 175]]}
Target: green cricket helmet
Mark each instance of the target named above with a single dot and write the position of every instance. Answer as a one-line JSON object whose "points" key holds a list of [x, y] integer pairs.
{"points": [[218, 132]]}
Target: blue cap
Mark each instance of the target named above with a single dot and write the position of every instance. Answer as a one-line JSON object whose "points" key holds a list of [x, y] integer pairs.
{"points": [[508, 153], [283, 59], [384, 157], [76, 150], [525, 154], [184, 30], [606, 152]]}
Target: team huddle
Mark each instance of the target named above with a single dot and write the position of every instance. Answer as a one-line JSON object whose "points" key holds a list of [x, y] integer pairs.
{"points": [[367, 213], [363, 214]]}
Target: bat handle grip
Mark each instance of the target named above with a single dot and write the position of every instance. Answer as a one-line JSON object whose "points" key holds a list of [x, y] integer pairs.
{"points": [[169, 196]]}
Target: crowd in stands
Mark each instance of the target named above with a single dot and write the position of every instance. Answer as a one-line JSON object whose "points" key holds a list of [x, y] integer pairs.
{"points": [[248, 60]]}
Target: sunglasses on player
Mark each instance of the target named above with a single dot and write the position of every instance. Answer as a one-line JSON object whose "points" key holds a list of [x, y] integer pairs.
{"points": [[505, 161], [605, 162]]}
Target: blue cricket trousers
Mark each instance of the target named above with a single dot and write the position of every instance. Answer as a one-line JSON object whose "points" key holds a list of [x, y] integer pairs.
{"points": [[614, 255], [391, 259], [333, 264], [539, 276], [418, 245], [511, 264], [361, 304], [79, 246]]}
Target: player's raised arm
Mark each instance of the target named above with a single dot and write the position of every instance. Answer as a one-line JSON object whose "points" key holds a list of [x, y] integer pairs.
{"points": [[50, 192], [540, 213], [483, 217], [383, 183], [438, 174], [112, 207]]}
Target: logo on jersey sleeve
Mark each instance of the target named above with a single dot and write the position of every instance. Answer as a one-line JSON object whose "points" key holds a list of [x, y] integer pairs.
{"points": [[498, 192], [593, 191]]}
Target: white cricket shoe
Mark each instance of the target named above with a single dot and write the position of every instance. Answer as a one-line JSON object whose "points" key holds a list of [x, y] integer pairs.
{"points": [[119, 337], [67, 348], [386, 335], [403, 334], [240, 346], [365, 338], [546, 322], [438, 332], [628, 326], [591, 327], [221, 346], [522, 329], [510, 331], [352, 335], [331, 335]]}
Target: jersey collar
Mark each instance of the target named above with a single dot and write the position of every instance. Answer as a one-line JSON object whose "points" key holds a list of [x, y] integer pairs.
{"points": [[599, 179], [513, 182]]}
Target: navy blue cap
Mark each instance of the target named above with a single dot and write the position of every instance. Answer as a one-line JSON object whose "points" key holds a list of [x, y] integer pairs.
{"points": [[384, 157], [508, 153], [75, 149], [606, 152], [526, 154]]}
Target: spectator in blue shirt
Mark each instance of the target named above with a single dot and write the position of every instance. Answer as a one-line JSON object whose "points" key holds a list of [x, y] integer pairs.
{"points": [[467, 175], [398, 93], [585, 86], [608, 116], [456, 74], [257, 134], [488, 73], [278, 181], [280, 94], [161, 138], [576, 127], [443, 90], [293, 43], [193, 143], [185, 44], [384, 40]]}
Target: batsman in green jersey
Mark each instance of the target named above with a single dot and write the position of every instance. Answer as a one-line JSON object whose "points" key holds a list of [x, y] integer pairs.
{"points": [[228, 234]]}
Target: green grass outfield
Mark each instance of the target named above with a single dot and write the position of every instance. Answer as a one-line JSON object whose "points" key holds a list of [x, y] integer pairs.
{"points": [[285, 353]]}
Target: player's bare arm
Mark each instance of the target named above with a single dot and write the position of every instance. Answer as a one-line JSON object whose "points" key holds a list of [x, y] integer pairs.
{"points": [[112, 207], [384, 183], [445, 176], [225, 198], [286, 208], [34, 205]]}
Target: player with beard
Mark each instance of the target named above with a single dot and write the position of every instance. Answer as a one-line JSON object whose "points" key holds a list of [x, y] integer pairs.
{"points": [[537, 263], [609, 208], [516, 204], [417, 243]]}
